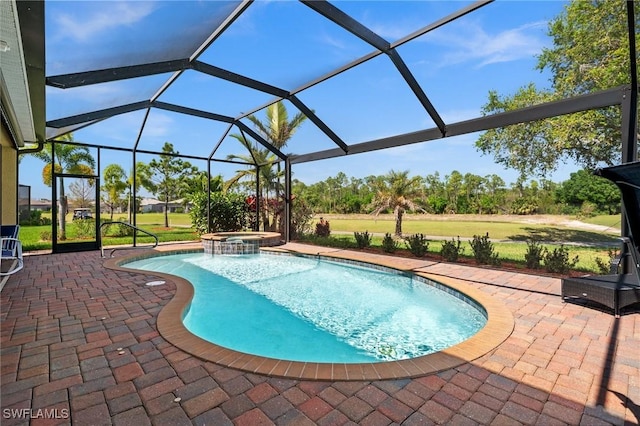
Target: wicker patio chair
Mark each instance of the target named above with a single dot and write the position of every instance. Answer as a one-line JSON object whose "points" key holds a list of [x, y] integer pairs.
{"points": [[619, 290], [10, 252]]}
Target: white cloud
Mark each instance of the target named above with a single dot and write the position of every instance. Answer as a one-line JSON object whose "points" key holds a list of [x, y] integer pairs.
{"points": [[472, 43], [332, 41], [84, 27], [158, 125]]}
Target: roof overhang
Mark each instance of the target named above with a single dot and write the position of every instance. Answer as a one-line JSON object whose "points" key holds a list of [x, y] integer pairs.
{"points": [[22, 72]]}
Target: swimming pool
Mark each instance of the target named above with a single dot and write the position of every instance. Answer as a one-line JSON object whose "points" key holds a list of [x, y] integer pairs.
{"points": [[177, 294], [311, 310]]}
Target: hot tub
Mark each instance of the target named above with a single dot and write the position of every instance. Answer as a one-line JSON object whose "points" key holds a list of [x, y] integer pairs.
{"points": [[245, 242]]}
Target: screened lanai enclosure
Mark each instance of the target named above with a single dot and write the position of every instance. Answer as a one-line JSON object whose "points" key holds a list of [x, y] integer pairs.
{"points": [[125, 78]]}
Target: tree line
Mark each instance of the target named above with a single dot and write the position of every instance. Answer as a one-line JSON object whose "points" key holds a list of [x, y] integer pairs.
{"points": [[457, 193]]}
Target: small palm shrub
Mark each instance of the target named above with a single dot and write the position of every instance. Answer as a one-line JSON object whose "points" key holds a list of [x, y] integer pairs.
{"points": [[363, 239], [389, 245], [451, 250], [117, 230], [533, 256], [85, 228], [558, 260], [417, 244], [483, 250]]}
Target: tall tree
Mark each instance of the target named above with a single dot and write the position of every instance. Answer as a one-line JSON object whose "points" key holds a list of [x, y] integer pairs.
{"points": [[82, 193], [277, 129], [114, 186], [453, 184], [68, 159], [584, 187], [590, 52], [397, 192], [169, 174]]}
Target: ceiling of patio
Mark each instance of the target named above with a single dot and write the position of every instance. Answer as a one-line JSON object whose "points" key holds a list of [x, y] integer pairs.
{"points": [[202, 67]]}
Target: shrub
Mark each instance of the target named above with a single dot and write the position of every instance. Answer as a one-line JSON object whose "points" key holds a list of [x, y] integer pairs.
{"points": [[34, 219], [344, 242], [363, 239], [229, 212], [85, 228], [524, 206], [322, 228], [587, 210], [301, 216], [389, 245], [117, 230], [46, 236], [533, 256], [451, 250], [417, 244], [483, 250], [558, 260]]}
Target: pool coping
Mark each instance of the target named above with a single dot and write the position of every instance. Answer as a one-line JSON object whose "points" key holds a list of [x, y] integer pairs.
{"points": [[499, 326]]}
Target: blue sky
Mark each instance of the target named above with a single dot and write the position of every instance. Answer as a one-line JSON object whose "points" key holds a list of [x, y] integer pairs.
{"points": [[286, 44]]}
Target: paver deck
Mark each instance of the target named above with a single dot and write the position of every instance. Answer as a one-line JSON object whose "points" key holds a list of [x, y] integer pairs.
{"points": [[79, 343]]}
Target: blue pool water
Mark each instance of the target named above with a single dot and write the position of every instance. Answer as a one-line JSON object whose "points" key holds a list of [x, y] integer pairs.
{"points": [[305, 309]]}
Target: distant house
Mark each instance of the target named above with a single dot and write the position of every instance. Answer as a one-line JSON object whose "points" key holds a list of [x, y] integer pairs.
{"points": [[151, 205], [41, 204]]}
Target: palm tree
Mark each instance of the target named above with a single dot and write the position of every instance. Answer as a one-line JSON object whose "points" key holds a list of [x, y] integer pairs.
{"points": [[277, 130], [68, 159], [398, 192]]}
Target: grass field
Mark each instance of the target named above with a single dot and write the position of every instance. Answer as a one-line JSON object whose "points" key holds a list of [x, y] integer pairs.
{"points": [[508, 233], [175, 219], [499, 227]]}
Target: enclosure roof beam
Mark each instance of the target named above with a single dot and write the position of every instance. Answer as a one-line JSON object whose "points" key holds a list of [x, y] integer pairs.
{"points": [[417, 90], [602, 99], [98, 114], [224, 135], [191, 111], [67, 81], [345, 21], [260, 139], [238, 79], [318, 122], [437, 24], [376, 53]]}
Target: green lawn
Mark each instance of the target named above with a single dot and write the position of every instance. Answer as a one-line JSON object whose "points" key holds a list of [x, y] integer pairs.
{"points": [[497, 230], [612, 221], [39, 237], [175, 219], [512, 248]]}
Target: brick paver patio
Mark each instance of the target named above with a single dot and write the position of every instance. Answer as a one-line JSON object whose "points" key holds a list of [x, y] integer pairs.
{"points": [[80, 344]]}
